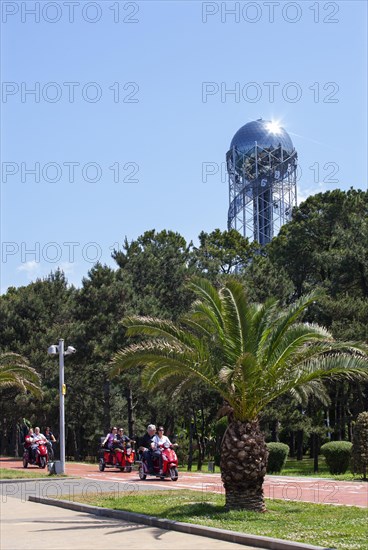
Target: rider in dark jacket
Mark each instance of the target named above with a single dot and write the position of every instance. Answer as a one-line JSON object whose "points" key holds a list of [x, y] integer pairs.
{"points": [[122, 439], [146, 446], [50, 440]]}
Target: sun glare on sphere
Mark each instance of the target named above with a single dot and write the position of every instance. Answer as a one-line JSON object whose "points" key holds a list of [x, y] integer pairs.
{"points": [[273, 127]]}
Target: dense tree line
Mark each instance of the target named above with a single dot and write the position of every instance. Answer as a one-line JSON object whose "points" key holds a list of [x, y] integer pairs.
{"points": [[324, 248]]}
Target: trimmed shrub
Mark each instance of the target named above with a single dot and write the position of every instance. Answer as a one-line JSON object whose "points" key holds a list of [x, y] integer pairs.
{"points": [[359, 458], [278, 453], [337, 455]]}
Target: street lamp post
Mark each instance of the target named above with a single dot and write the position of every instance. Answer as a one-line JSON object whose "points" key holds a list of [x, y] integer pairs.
{"points": [[62, 409], [59, 350]]}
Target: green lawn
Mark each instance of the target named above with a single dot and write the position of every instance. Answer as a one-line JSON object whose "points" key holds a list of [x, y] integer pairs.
{"points": [[6, 473], [342, 527], [304, 467]]}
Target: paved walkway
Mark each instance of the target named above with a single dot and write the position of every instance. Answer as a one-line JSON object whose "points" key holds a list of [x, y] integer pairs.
{"points": [[325, 491], [33, 526]]}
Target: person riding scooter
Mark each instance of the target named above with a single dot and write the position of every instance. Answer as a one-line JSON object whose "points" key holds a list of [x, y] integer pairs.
{"points": [[147, 447], [28, 441], [125, 455], [167, 467], [161, 442], [50, 440], [38, 436], [122, 440], [110, 439], [35, 449]]}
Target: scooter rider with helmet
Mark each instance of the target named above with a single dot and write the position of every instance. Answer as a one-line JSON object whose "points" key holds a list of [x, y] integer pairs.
{"points": [[147, 447]]}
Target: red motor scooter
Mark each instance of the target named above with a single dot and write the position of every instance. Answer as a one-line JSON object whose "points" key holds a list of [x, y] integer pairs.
{"points": [[123, 459], [169, 465], [40, 457]]}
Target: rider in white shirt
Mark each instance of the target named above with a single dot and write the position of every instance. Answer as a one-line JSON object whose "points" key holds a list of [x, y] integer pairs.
{"points": [[37, 436], [161, 442]]}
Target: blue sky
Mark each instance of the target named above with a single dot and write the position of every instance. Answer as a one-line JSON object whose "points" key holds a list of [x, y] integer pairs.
{"points": [[163, 132]]}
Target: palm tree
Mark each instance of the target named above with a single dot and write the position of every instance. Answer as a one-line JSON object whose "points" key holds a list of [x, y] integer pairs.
{"points": [[250, 354], [16, 372]]}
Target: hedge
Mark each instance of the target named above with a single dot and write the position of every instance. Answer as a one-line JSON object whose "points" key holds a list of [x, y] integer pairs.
{"points": [[337, 455], [277, 457]]}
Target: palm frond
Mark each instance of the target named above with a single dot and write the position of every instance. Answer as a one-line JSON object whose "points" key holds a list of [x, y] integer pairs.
{"points": [[330, 365], [315, 389], [207, 294], [263, 320], [151, 326], [16, 371], [161, 360], [286, 319], [204, 315], [236, 317], [297, 339]]}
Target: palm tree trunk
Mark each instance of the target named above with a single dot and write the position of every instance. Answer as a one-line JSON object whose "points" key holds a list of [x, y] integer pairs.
{"points": [[243, 466]]}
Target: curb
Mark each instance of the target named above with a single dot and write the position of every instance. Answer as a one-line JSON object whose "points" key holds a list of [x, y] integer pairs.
{"points": [[189, 528]]}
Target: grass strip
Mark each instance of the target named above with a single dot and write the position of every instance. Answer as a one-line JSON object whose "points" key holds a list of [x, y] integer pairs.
{"points": [[304, 467], [341, 527], [6, 473]]}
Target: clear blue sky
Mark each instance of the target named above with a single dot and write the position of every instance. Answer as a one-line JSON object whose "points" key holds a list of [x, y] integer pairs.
{"points": [[169, 52]]}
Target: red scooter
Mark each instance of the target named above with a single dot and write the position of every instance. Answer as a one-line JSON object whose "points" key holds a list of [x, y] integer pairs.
{"points": [[126, 458], [123, 459], [169, 466], [40, 456]]}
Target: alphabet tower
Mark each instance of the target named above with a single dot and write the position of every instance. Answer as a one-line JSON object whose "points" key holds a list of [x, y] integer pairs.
{"points": [[261, 164]]}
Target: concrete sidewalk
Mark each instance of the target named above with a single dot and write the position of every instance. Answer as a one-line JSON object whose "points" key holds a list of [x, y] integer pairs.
{"points": [[30, 525]]}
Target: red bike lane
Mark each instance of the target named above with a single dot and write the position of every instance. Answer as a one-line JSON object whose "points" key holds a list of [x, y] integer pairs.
{"points": [[303, 489]]}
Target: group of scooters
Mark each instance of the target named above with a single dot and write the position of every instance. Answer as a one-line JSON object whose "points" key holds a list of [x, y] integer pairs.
{"points": [[121, 458], [124, 459]]}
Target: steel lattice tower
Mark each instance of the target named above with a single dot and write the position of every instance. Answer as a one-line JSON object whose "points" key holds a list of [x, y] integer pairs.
{"points": [[261, 164]]}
